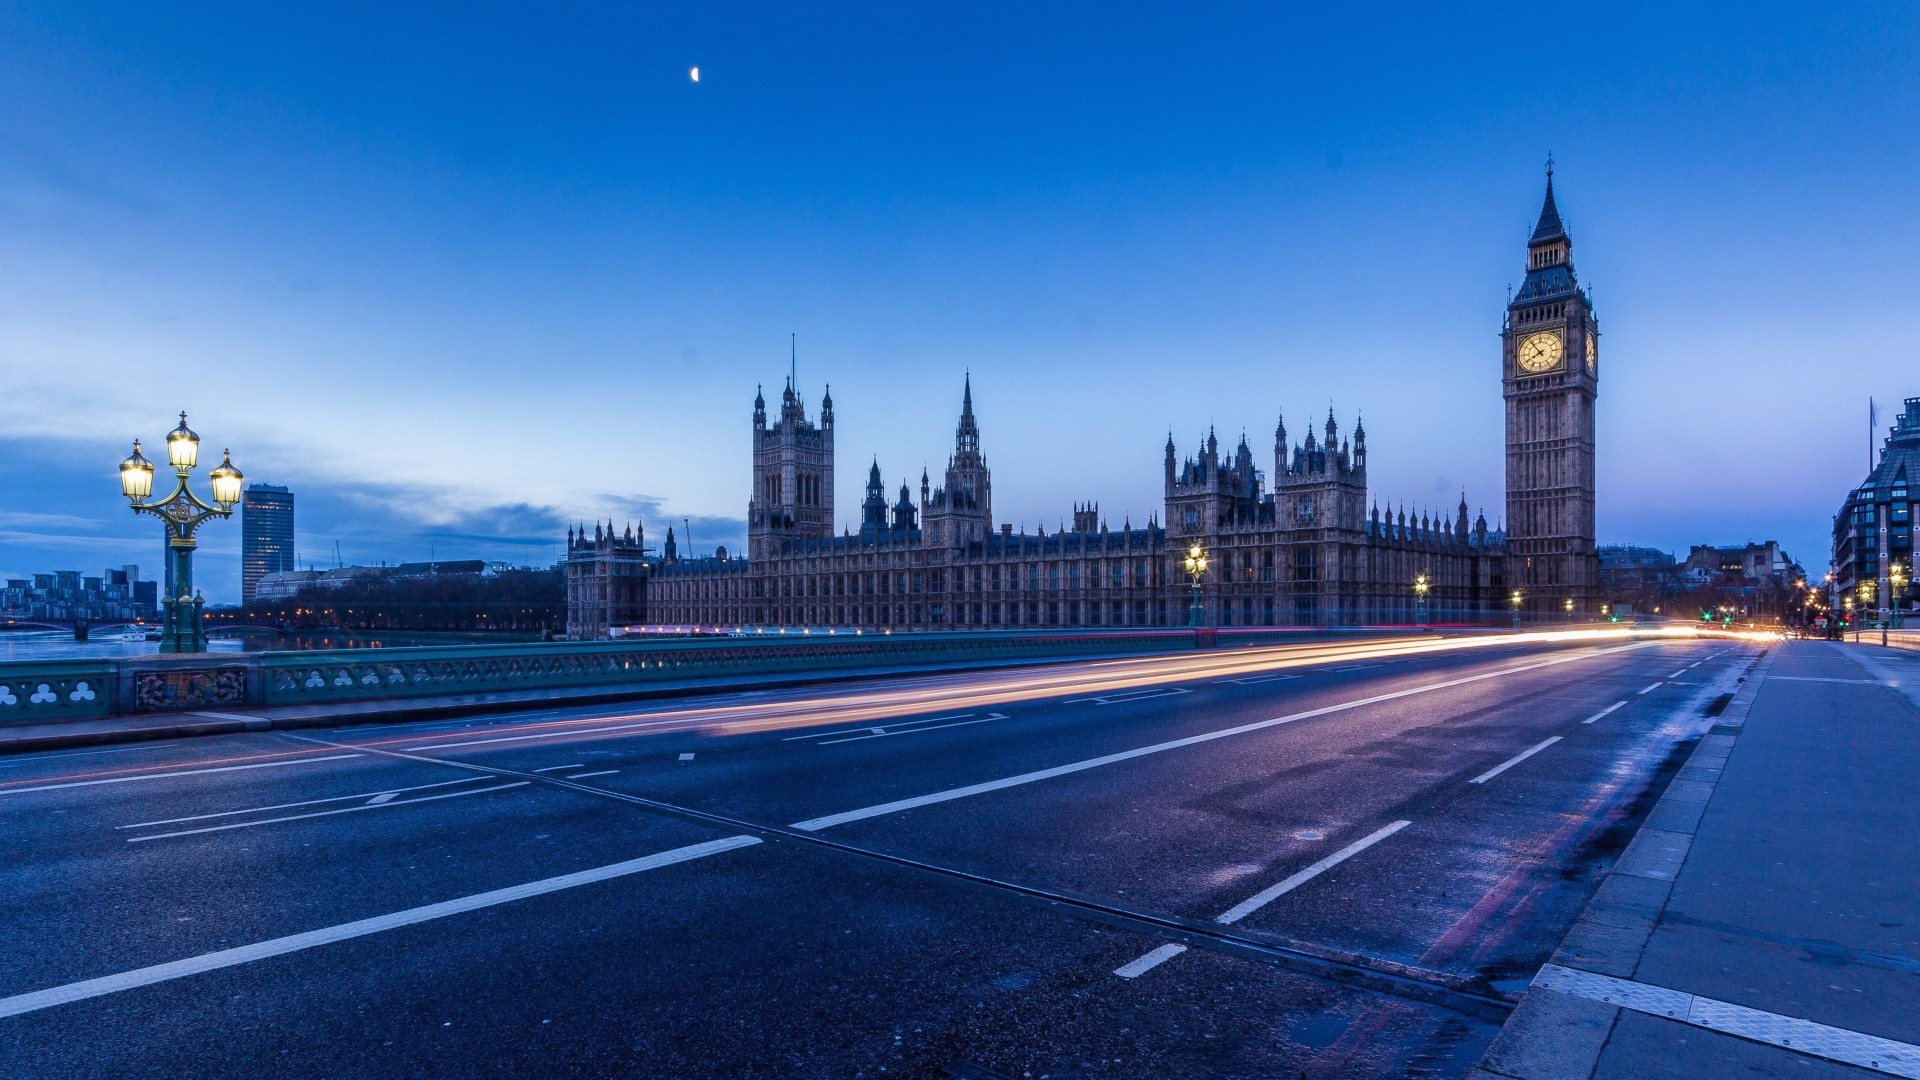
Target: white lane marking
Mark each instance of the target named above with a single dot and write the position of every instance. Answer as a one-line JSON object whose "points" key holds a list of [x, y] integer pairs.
{"points": [[246, 954], [1514, 760], [549, 735], [877, 728], [1260, 679], [1695, 664], [176, 772], [686, 757], [880, 733], [1812, 678], [303, 802], [1150, 961], [584, 775], [1273, 892], [881, 809], [1350, 667], [383, 797], [1788, 1032], [1603, 712], [1651, 689], [376, 804], [1137, 695], [557, 768], [1677, 674]]}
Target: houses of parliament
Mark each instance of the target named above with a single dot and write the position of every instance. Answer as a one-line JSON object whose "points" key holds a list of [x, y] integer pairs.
{"points": [[1311, 550]]}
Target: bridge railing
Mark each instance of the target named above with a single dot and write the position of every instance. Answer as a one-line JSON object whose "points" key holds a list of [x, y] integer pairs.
{"points": [[49, 691]]}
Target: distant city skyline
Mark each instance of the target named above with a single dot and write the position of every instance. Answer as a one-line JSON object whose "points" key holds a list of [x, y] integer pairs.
{"points": [[461, 282]]}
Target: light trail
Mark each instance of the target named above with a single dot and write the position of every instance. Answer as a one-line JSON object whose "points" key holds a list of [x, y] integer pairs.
{"points": [[960, 692]]}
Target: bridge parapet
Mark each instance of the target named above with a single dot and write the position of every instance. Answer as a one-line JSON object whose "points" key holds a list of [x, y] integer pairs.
{"points": [[227, 681], [51, 691]]}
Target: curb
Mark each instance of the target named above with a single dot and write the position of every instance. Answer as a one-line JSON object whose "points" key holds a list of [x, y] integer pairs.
{"points": [[1557, 1036]]}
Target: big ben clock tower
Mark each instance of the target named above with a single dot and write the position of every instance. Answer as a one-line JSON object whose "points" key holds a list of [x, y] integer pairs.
{"points": [[1550, 374]]}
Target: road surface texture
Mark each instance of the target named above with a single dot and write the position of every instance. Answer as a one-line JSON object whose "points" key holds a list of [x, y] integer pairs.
{"points": [[1330, 860], [1764, 921]]}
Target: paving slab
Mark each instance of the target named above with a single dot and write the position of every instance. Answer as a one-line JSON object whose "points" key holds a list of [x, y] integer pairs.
{"points": [[1788, 942]]}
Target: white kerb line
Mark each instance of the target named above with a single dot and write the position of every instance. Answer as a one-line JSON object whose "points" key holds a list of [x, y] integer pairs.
{"points": [[1273, 892], [246, 954], [1150, 961], [1514, 760], [1603, 712]]}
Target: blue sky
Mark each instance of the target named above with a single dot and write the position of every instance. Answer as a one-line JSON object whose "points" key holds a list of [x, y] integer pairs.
{"points": [[460, 275]]}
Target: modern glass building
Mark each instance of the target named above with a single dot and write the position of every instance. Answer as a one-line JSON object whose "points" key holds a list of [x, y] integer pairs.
{"points": [[1873, 533], [266, 535]]}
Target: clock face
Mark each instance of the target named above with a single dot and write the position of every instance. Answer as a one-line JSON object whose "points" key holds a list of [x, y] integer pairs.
{"points": [[1593, 354], [1541, 352]]}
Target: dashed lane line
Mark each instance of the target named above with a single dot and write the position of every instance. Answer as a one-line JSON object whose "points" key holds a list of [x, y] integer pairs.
{"points": [[1603, 712], [1274, 892], [1150, 961], [247, 954], [1652, 688], [1514, 760]]}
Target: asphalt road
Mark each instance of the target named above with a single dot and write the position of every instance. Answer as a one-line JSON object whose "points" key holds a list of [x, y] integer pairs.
{"points": [[1320, 860]]}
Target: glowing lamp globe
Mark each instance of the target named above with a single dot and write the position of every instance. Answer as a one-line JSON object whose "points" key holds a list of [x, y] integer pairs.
{"points": [[183, 446], [136, 475], [226, 480]]}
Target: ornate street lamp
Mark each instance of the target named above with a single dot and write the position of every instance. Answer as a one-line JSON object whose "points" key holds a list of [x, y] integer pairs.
{"points": [[1569, 606], [1420, 588], [181, 512], [1196, 569], [1516, 598], [1897, 577]]}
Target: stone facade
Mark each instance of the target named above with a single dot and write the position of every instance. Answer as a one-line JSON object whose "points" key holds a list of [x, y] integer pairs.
{"points": [[1311, 550], [1550, 377]]}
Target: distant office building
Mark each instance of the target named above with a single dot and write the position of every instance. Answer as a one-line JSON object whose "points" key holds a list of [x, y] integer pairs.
{"points": [[1873, 532], [286, 584], [68, 596], [266, 536]]}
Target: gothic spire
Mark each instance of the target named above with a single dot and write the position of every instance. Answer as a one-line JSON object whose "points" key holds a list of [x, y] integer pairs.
{"points": [[1549, 227]]}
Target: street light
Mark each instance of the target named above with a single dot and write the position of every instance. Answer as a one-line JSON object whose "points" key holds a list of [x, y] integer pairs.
{"points": [[1516, 598], [1420, 588], [181, 512], [1569, 606], [1196, 569], [1897, 577]]}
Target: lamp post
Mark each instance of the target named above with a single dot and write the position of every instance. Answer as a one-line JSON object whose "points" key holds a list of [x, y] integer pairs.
{"points": [[1420, 587], [1897, 577], [1196, 569], [1569, 606], [1516, 598], [181, 512]]}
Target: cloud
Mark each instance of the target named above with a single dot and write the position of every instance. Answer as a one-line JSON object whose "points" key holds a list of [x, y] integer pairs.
{"points": [[66, 513]]}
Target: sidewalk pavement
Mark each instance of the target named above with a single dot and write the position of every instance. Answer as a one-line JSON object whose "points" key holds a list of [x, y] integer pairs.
{"points": [[1765, 921]]}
